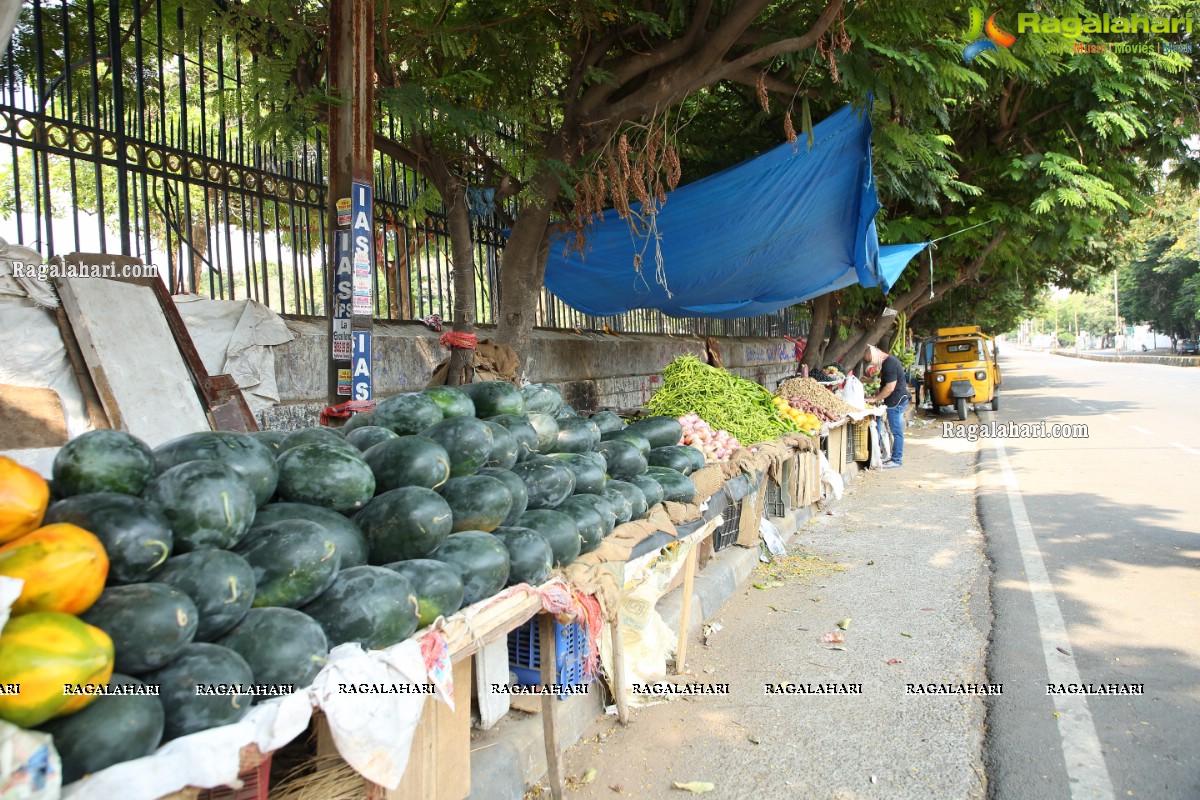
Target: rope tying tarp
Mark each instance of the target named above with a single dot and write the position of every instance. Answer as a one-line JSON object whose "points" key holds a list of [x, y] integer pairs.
{"points": [[456, 340]]}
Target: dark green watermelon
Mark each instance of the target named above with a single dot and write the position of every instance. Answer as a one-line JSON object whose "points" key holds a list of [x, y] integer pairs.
{"points": [[530, 557], [516, 489], [134, 532], [546, 428], [404, 523], [625, 435], [607, 422], [480, 557], [149, 624], [453, 402], [588, 469], [373, 606], [623, 459], [478, 502], [272, 439], [206, 503], [621, 504], [408, 413], [408, 461], [468, 443], [596, 502], [697, 457], [368, 436], [651, 489], [543, 398], [520, 429], [248, 457], [437, 585], [676, 486], [677, 457], [637, 500], [102, 461], [505, 450], [311, 436], [576, 435], [564, 412], [323, 474], [659, 431], [282, 646], [350, 542], [293, 561], [589, 521], [112, 729], [548, 480], [220, 583], [558, 528], [361, 419], [494, 397], [194, 689]]}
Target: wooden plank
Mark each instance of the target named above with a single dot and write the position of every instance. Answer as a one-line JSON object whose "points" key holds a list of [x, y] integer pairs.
{"points": [[144, 386], [620, 697], [491, 666], [31, 418], [465, 636], [91, 400], [549, 676], [685, 614]]}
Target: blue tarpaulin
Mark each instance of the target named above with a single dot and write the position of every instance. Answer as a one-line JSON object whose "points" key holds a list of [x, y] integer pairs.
{"points": [[787, 226]]}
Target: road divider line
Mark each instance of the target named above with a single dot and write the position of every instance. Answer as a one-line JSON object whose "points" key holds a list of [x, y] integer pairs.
{"points": [[1186, 449], [1084, 760], [1142, 431]]}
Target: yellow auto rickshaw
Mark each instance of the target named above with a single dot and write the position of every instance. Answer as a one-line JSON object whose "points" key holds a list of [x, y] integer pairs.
{"points": [[960, 367]]}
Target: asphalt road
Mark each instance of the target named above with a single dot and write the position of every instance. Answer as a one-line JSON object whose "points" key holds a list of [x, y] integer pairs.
{"points": [[1095, 546]]}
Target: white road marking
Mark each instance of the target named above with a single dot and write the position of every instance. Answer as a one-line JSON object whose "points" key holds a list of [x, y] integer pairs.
{"points": [[1142, 431], [1086, 771], [1186, 449], [1089, 408]]}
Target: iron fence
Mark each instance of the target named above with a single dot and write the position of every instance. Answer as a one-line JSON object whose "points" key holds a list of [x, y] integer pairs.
{"points": [[122, 136]]}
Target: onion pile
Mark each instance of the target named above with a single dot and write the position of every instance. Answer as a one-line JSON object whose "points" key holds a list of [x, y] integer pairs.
{"points": [[716, 445]]}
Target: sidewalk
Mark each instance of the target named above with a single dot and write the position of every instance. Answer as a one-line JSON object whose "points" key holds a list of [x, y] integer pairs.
{"points": [[900, 557]]}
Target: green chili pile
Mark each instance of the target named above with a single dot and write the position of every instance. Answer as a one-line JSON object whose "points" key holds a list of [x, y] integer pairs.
{"points": [[721, 399]]}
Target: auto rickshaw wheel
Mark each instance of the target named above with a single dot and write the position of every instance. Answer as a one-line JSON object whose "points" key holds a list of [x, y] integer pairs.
{"points": [[960, 405], [996, 401]]}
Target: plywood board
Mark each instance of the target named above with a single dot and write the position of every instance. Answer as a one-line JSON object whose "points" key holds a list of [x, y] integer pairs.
{"points": [[31, 418], [133, 358]]}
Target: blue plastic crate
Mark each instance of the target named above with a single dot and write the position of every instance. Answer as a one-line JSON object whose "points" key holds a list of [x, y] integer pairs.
{"points": [[570, 654]]}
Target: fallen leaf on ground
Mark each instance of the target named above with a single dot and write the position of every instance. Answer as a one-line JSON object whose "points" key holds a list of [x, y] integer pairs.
{"points": [[752, 738], [844, 623], [833, 637], [836, 647], [696, 787], [894, 661], [906, 633], [588, 776], [1064, 652], [768, 585]]}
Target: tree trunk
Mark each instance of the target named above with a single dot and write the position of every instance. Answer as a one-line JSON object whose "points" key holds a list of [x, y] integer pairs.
{"points": [[462, 245], [822, 311]]}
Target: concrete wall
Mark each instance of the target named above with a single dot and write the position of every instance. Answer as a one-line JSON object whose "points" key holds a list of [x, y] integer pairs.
{"points": [[1132, 358], [592, 369]]}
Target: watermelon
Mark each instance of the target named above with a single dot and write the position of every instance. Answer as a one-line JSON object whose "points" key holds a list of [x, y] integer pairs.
{"points": [[564, 412], [149, 623], [607, 422], [437, 585], [102, 461], [530, 556], [589, 521], [480, 557], [622, 506], [293, 561], [542, 397], [272, 439], [407, 413], [134, 532], [576, 435], [623, 459], [368, 436], [346, 536], [659, 431], [206, 503], [589, 471], [651, 489], [696, 456], [558, 528], [505, 450], [111, 729], [219, 582], [676, 486], [248, 457], [453, 402], [625, 435], [468, 443], [359, 420], [312, 436], [520, 429], [408, 461], [598, 503], [195, 689], [282, 646], [494, 397], [373, 606], [478, 502], [546, 428], [323, 474], [408, 522], [637, 500], [548, 480], [516, 489], [676, 457]]}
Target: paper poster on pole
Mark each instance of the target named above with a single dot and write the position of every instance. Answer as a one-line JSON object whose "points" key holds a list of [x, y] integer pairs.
{"points": [[363, 230], [360, 379], [343, 283]]}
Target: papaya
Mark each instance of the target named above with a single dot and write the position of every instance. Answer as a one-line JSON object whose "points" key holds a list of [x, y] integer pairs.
{"points": [[42, 653], [64, 568], [24, 496]]}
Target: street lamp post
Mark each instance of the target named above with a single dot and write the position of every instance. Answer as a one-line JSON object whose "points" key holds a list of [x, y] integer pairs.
{"points": [[1117, 312]]}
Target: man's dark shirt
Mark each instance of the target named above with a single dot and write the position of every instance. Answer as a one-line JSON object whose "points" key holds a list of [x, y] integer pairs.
{"points": [[893, 370]]}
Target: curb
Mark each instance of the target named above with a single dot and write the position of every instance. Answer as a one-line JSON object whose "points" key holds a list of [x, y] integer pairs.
{"points": [[511, 756], [1169, 361]]}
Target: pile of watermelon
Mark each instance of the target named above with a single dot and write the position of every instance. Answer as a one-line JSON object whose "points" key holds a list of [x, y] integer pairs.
{"points": [[241, 559]]}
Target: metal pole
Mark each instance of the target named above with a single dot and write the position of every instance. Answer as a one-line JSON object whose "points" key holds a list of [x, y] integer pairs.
{"points": [[1117, 312]]}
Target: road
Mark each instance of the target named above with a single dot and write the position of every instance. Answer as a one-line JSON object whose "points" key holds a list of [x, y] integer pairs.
{"points": [[1095, 546]]}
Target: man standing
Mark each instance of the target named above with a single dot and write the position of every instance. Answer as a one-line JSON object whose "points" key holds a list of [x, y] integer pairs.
{"points": [[893, 391]]}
